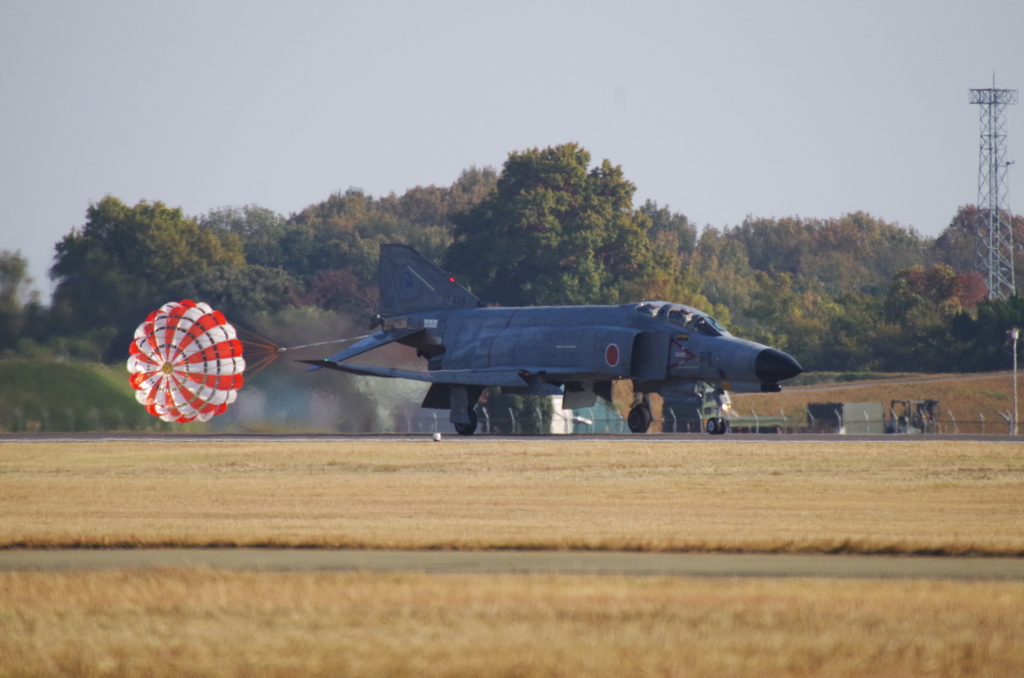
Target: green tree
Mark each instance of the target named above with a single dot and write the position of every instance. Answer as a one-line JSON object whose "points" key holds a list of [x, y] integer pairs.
{"points": [[510, 414], [331, 248], [984, 339], [670, 230], [856, 337], [722, 266], [775, 245], [240, 292], [15, 297], [783, 315], [127, 260], [260, 230], [557, 232]]}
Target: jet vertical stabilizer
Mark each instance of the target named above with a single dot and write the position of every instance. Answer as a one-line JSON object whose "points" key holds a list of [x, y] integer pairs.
{"points": [[409, 283]]}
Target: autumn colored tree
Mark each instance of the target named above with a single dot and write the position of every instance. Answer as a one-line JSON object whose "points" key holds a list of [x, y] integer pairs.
{"points": [[937, 289], [722, 267], [923, 302], [339, 289], [859, 252], [959, 243]]}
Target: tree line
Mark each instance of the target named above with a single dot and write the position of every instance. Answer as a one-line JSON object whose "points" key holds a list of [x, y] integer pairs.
{"points": [[847, 293]]}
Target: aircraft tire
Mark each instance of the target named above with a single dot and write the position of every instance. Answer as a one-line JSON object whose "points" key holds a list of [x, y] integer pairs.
{"points": [[639, 419], [717, 426], [467, 429]]}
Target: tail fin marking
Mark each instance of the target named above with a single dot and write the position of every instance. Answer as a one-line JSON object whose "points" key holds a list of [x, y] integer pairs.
{"points": [[409, 283]]}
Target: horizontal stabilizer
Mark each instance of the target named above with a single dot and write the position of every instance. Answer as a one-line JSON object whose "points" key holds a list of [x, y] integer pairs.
{"points": [[512, 378], [368, 344]]}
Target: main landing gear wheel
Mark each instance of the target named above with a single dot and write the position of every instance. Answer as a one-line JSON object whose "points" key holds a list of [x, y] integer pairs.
{"points": [[717, 426], [467, 429], [639, 419]]}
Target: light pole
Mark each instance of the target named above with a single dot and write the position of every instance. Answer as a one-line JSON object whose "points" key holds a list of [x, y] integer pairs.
{"points": [[1015, 335]]}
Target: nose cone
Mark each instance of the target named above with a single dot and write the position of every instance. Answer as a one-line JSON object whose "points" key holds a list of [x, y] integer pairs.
{"points": [[772, 366]]}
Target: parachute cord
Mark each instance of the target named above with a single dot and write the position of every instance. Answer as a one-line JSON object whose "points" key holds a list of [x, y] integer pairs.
{"points": [[252, 340], [262, 352], [282, 349], [261, 364]]}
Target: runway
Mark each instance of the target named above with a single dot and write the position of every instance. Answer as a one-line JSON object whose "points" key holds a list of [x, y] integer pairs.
{"points": [[523, 562], [737, 438]]}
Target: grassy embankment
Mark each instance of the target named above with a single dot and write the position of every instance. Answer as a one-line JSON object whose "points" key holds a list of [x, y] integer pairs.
{"points": [[47, 396]]}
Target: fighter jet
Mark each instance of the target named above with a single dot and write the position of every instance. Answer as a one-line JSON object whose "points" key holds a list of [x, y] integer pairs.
{"points": [[572, 351]]}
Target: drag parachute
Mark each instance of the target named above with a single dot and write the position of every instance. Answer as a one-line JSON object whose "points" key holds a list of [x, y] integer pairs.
{"points": [[186, 362]]}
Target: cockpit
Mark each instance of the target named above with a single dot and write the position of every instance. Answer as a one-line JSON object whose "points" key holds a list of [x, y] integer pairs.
{"points": [[684, 316]]}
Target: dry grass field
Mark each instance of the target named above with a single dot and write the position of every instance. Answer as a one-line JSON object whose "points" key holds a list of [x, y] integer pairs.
{"points": [[869, 497], [207, 623], [877, 497]]}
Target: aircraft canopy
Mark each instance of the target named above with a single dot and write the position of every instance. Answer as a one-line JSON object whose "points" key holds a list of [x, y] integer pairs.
{"points": [[684, 316]]}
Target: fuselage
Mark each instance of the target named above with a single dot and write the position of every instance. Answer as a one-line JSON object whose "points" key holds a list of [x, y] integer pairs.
{"points": [[659, 345]]}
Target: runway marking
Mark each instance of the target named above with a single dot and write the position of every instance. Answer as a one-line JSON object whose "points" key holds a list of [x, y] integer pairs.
{"points": [[524, 562]]}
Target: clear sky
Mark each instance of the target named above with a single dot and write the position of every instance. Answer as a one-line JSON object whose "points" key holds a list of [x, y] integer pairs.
{"points": [[717, 109]]}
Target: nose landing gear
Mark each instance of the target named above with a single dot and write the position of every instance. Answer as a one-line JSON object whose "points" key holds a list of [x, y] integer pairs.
{"points": [[717, 426]]}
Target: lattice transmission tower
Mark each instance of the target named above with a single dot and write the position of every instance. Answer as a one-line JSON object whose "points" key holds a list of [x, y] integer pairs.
{"points": [[995, 232]]}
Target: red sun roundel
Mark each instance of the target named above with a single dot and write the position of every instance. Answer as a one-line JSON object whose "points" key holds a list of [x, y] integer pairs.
{"points": [[611, 355]]}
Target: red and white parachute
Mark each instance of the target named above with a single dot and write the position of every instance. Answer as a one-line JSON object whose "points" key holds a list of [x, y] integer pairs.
{"points": [[186, 362]]}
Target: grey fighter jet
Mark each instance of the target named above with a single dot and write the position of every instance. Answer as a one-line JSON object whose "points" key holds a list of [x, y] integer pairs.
{"points": [[572, 351]]}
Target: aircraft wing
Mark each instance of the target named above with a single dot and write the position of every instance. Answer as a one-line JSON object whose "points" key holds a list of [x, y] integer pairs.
{"points": [[368, 344], [498, 376]]}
